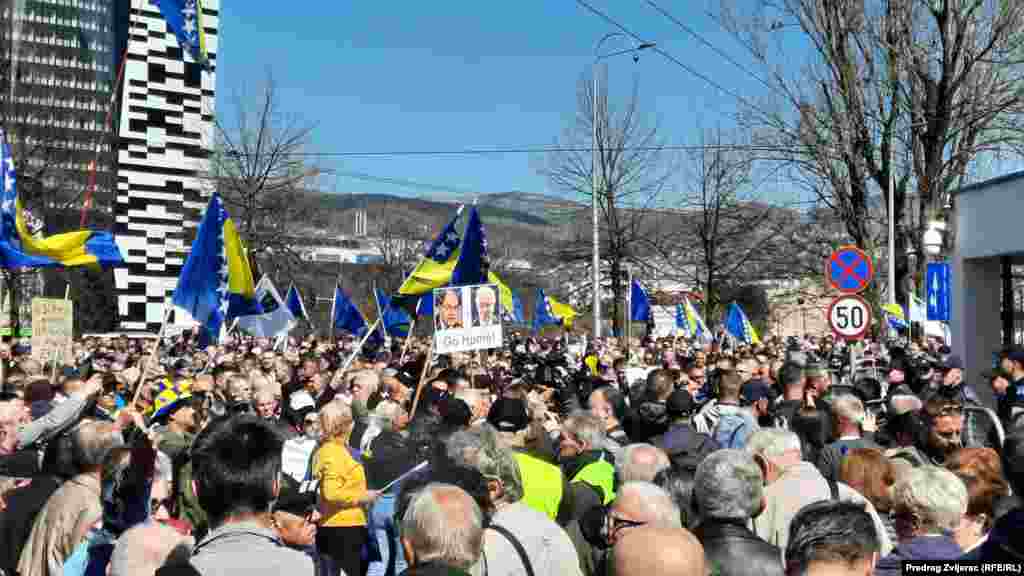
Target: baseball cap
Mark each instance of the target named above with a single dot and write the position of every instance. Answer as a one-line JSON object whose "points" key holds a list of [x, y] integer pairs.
{"points": [[298, 498], [754, 391], [679, 403], [508, 415]]}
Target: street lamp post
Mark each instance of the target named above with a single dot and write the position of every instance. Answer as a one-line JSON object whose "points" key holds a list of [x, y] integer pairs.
{"points": [[595, 182]]}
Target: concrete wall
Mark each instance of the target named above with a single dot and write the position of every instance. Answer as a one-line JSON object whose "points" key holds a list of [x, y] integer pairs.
{"points": [[986, 225]]}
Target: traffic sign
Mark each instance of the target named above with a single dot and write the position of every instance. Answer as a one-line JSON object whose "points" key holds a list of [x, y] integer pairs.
{"points": [[849, 316], [849, 270]]}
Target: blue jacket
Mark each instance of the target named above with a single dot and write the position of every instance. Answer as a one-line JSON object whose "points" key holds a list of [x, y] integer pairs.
{"points": [[940, 547]]}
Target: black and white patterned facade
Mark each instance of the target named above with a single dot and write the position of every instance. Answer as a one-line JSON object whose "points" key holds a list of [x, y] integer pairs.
{"points": [[165, 137]]}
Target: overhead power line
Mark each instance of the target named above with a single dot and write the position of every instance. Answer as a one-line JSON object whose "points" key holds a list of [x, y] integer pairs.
{"points": [[528, 150], [716, 49], [622, 28]]}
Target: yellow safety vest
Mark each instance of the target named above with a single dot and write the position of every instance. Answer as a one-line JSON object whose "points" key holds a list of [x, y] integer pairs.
{"points": [[599, 474], [542, 484]]}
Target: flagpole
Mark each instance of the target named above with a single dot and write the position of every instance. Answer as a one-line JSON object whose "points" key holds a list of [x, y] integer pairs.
{"points": [[91, 185], [330, 319], [380, 316], [629, 313], [423, 377], [412, 327], [152, 351], [355, 352]]}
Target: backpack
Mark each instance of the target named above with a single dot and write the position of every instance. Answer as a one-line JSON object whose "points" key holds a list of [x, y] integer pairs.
{"points": [[732, 431]]}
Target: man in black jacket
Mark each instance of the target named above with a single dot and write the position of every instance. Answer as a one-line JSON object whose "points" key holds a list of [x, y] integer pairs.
{"points": [[728, 493]]}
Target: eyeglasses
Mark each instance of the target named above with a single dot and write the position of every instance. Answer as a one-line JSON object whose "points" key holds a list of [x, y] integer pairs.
{"points": [[157, 503], [613, 523]]}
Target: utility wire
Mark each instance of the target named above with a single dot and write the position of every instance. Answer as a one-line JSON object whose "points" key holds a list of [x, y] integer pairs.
{"points": [[611, 21], [710, 45], [524, 150]]}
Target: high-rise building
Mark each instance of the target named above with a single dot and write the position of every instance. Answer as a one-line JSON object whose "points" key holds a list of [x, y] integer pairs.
{"points": [[59, 64], [164, 141]]}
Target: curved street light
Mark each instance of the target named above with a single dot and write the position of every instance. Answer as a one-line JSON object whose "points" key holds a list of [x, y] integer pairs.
{"points": [[595, 183]]}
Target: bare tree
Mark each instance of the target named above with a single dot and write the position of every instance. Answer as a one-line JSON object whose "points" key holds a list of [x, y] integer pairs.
{"points": [[722, 235], [916, 91], [632, 173], [400, 239], [263, 178]]}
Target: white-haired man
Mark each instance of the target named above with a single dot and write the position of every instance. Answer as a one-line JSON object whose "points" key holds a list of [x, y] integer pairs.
{"points": [[793, 483], [928, 504], [144, 548], [486, 303], [641, 463], [442, 532], [638, 505], [728, 491], [514, 525], [848, 420]]}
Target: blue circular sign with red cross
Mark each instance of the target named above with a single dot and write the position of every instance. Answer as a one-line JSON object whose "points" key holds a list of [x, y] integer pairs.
{"points": [[849, 270]]}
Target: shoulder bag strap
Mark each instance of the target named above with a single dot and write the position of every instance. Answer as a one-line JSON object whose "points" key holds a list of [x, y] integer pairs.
{"points": [[515, 544], [833, 487]]}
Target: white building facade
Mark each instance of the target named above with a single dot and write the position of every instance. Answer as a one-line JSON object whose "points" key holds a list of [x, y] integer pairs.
{"points": [[165, 136]]}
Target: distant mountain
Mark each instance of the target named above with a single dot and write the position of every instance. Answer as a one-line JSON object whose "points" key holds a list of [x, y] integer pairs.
{"points": [[495, 208]]}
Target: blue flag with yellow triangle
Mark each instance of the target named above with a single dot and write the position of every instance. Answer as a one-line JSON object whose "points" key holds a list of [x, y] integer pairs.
{"points": [[216, 283]]}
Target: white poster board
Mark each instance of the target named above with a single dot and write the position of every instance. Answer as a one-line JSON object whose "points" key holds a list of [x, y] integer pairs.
{"points": [[52, 329], [664, 321], [467, 318]]}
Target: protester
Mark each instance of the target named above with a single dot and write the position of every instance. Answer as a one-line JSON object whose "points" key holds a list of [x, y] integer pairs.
{"points": [[514, 527], [729, 492], [658, 551], [792, 483], [75, 507], [832, 538], [442, 532], [236, 467], [143, 549], [344, 495], [928, 505]]}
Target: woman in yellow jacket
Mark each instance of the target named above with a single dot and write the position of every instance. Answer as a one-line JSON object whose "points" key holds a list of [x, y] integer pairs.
{"points": [[343, 494]]}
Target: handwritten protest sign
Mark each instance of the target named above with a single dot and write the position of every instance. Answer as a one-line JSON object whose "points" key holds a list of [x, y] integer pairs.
{"points": [[52, 329]]}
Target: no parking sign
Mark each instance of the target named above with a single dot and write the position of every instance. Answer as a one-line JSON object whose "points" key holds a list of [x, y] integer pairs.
{"points": [[849, 270]]}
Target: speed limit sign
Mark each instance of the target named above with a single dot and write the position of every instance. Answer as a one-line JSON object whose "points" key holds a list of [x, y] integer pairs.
{"points": [[850, 316]]}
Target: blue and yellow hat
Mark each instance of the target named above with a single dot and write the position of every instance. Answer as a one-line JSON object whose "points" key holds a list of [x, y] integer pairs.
{"points": [[168, 400]]}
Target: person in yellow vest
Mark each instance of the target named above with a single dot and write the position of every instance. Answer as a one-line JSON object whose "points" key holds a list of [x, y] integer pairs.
{"points": [[544, 486], [585, 462]]}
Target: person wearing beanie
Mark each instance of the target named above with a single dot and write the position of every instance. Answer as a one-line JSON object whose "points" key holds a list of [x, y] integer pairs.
{"points": [[685, 446]]}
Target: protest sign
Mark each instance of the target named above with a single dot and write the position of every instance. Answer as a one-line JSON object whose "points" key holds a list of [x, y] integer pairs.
{"points": [[52, 329], [467, 318]]}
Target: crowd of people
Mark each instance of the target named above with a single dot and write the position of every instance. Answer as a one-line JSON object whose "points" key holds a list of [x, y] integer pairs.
{"points": [[656, 456]]}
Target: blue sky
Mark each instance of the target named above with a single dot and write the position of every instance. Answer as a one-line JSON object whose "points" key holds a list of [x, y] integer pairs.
{"points": [[390, 76]]}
